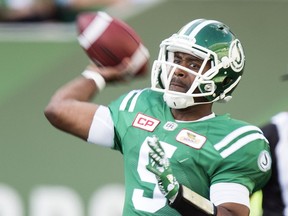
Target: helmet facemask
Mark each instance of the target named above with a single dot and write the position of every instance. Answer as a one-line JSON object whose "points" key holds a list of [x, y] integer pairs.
{"points": [[163, 70], [216, 84]]}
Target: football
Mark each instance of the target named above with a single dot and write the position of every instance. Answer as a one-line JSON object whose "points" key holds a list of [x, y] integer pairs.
{"points": [[108, 40]]}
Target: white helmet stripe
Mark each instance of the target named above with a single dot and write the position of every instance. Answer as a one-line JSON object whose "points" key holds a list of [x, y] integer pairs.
{"points": [[200, 27], [188, 26]]}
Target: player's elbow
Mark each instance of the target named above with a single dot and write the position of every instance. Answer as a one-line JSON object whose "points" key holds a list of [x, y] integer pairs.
{"points": [[53, 113]]}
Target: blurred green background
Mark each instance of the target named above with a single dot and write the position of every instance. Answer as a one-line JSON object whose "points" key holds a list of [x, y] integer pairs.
{"points": [[33, 153]]}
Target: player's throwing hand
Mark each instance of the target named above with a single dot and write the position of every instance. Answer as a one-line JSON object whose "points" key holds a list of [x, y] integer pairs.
{"points": [[159, 165]]}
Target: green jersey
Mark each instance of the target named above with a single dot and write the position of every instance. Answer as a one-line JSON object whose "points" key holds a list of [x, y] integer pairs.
{"points": [[202, 153]]}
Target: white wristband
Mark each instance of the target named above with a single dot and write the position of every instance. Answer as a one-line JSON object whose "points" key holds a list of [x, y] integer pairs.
{"points": [[98, 79]]}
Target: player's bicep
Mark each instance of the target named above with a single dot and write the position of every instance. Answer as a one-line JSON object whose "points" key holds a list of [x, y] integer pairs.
{"points": [[230, 197], [71, 116], [234, 209], [101, 131]]}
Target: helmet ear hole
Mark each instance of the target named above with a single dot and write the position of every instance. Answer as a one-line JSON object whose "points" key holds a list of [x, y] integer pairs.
{"points": [[227, 81]]}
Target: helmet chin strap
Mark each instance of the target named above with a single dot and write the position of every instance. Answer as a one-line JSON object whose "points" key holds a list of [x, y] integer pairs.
{"points": [[225, 99], [181, 102], [178, 102]]}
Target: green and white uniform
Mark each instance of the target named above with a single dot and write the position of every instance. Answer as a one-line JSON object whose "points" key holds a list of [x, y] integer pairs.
{"points": [[202, 153]]}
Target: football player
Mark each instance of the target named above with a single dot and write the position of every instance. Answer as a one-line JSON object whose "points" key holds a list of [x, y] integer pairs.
{"points": [[180, 158]]}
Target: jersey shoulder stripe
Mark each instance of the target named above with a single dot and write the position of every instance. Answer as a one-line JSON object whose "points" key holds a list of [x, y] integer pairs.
{"points": [[127, 99], [237, 139], [240, 143], [137, 99], [236, 133]]}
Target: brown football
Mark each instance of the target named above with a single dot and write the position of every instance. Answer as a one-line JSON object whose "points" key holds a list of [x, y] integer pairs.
{"points": [[107, 40]]}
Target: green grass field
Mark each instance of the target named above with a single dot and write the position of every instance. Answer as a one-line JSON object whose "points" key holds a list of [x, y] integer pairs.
{"points": [[33, 153]]}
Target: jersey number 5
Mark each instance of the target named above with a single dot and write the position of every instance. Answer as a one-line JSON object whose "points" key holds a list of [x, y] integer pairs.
{"points": [[158, 200]]}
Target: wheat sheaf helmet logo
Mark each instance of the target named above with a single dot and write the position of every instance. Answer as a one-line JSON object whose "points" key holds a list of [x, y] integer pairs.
{"points": [[236, 52]]}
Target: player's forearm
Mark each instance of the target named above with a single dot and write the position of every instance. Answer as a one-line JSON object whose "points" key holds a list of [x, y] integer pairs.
{"points": [[80, 89], [189, 203]]}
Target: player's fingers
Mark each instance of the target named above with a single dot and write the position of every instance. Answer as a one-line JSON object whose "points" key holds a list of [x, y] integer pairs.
{"points": [[156, 149], [159, 148], [125, 64], [155, 157], [112, 73], [124, 69], [153, 170]]}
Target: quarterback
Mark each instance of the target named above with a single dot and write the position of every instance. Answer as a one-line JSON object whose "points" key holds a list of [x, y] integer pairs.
{"points": [[180, 157]]}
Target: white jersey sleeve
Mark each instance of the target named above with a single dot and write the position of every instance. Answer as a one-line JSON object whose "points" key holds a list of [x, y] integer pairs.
{"points": [[229, 192], [102, 128]]}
